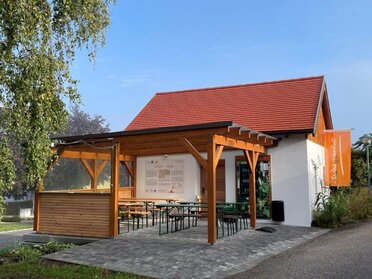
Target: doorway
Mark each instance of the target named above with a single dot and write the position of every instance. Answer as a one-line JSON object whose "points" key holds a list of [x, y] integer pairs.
{"points": [[263, 184], [220, 183]]}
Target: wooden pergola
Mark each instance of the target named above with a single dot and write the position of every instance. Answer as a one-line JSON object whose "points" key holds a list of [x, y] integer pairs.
{"points": [[123, 148]]}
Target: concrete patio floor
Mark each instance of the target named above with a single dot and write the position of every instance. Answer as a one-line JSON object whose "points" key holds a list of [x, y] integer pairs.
{"points": [[186, 254]]}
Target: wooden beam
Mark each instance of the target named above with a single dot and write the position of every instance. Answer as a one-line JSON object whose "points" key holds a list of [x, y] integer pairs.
{"points": [[194, 152], [94, 180], [100, 167], [239, 144], [218, 155], [114, 190], [129, 169], [253, 157], [134, 179], [88, 168], [211, 178], [234, 131], [75, 154], [162, 137], [255, 138], [248, 158], [37, 208]]}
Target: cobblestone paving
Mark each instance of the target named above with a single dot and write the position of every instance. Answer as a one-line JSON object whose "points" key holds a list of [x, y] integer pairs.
{"points": [[186, 254]]}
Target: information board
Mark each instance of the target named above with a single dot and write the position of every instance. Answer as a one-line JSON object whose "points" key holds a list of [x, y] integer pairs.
{"points": [[165, 176]]}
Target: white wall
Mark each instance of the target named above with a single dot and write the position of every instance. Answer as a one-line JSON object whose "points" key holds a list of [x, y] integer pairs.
{"points": [[292, 172], [290, 183], [315, 159], [191, 172]]}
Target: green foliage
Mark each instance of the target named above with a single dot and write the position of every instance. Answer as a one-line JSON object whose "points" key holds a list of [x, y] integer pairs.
{"points": [[343, 206], [21, 253], [23, 261], [13, 226], [79, 123], [358, 167], [38, 41], [2, 205], [30, 254], [15, 219], [47, 269], [263, 192], [360, 205], [331, 211], [53, 246]]}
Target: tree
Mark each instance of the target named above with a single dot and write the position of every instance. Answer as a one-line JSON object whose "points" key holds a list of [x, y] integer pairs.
{"points": [[359, 163], [79, 123], [38, 42], [358, 167]]}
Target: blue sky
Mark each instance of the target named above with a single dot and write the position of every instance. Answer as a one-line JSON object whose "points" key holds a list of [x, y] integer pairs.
{"points": [[154, 46]]}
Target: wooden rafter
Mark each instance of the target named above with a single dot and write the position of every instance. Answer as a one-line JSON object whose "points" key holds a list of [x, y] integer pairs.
{"points": [[194, 152], [239, 144]]}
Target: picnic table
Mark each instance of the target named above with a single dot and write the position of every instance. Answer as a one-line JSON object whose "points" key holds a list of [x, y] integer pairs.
{"points": [[229, 213], [149, 206]]}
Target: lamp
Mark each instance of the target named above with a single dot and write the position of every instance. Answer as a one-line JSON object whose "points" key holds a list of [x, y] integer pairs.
{"points": [[366, 140]]}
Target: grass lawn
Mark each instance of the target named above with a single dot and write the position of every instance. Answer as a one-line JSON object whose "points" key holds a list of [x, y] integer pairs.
{"points": [[48, 269], [13, 226]]}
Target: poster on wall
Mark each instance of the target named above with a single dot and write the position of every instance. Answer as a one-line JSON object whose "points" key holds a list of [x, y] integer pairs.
{"points": [[164, 176]]}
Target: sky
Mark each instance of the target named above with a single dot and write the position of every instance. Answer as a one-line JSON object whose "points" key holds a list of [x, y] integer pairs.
{"points": [[166, 45]]}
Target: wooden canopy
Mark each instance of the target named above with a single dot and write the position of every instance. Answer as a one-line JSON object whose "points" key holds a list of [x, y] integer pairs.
{"points": [[125, 146]]}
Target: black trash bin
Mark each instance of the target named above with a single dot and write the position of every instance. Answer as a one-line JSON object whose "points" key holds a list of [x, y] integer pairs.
{"points": [[278, 211]]}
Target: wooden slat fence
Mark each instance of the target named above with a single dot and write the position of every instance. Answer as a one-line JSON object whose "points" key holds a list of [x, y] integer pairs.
{"points": [[75, 214]]}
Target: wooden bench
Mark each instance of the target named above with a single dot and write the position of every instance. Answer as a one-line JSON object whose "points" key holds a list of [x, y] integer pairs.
{"points": [[180, 217]]}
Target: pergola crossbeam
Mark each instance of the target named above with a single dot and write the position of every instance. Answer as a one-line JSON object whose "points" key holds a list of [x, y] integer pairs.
{"points": [[239, 144]]}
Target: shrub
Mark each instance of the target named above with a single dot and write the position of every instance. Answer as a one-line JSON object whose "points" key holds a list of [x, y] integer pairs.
{"points": [[331, 211], [11, 219], [53, 246], [31, 254], [360, 205], [21, 253], [343, 206]]}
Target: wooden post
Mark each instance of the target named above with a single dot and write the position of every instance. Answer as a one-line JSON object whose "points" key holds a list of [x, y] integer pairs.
{"points": [[252, 188], [211, 178], [252, 158], [37, 207], [95, 174], [134, 178], [114, 190]]}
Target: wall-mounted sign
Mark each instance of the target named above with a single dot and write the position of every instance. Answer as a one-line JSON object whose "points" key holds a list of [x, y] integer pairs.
{"points": [[164, 176]]}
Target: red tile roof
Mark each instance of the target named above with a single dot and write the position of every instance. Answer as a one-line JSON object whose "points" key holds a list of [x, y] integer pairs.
{"points": [[286, 105]]}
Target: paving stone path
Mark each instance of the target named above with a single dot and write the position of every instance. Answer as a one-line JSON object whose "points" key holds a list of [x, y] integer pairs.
{"points": [[186, 254]]}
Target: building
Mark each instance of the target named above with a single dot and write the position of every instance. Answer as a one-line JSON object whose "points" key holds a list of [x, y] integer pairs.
{"points": [[296, 112], [203, 144]]}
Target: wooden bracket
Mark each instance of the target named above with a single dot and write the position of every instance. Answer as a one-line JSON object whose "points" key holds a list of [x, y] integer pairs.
{"points": [[194, 152]]}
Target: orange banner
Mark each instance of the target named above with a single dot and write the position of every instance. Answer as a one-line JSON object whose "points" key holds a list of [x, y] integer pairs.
{"points": [[337, 145]]}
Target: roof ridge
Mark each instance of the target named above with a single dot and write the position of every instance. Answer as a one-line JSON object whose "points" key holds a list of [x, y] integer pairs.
{"points": [[239, 85]]}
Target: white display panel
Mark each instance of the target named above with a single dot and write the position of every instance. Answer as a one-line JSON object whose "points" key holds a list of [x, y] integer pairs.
{"points": [[165, 176]]}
